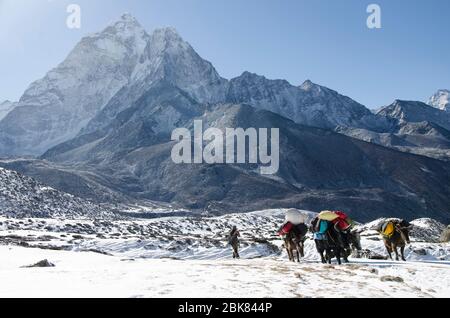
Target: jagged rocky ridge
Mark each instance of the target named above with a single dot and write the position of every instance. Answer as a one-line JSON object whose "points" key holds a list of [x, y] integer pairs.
{"points": [[413, 127]]}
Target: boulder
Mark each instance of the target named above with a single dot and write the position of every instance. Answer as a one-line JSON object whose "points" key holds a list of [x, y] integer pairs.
{"points": [[394, 279], [41, 264]]}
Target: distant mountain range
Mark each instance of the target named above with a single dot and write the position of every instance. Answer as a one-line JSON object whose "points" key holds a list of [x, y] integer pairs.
{"points": [[100, 124], [413, 127]]}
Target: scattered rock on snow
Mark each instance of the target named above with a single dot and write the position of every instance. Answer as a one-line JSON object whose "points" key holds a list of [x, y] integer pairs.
{"points": [[420, 251], [44, 263], [395, 279], [373, 271], [366, 253]]}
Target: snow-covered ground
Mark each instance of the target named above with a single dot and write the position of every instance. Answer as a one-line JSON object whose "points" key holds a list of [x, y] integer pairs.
{"points": [[88, 274], [189, 257]]}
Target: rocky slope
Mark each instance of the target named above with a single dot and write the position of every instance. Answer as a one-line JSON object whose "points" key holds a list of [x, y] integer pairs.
{"points": [[21, 196]]}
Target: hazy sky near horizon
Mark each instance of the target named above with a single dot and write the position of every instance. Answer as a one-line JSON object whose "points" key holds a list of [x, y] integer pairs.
{"points": [[326, 41]]}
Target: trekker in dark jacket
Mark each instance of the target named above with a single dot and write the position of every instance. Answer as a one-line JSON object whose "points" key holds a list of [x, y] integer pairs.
{"points": [[233, 240]]}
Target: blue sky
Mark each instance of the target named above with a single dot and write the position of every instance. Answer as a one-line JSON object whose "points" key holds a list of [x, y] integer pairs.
{"points": [[326, 41]]}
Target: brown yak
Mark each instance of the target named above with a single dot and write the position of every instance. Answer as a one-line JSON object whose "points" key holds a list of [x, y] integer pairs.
{"points": [[399, 238]]}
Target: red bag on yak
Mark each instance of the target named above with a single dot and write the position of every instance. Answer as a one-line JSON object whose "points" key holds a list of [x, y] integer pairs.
{"points": [[286, 228], [342, 221]]}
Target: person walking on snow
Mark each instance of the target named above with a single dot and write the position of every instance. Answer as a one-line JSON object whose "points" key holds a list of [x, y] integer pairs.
{"points": [[233, 240]]}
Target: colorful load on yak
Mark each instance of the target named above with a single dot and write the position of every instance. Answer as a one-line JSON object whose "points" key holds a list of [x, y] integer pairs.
{"points": [[339, 218], [286, 228], [328, 216], [320, 228], [295, 216], [343, 222], [294, 221], [388, 229]]}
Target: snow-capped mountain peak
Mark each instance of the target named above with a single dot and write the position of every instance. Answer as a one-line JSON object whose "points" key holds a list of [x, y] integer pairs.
{"points": [[125, 23], [169, 34], [76, 90], [169, 57], [405, 112], [312, 88], [317, 90], [126, 31], [307, 85], [167, 42], [441, 100], [127, 17]]}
